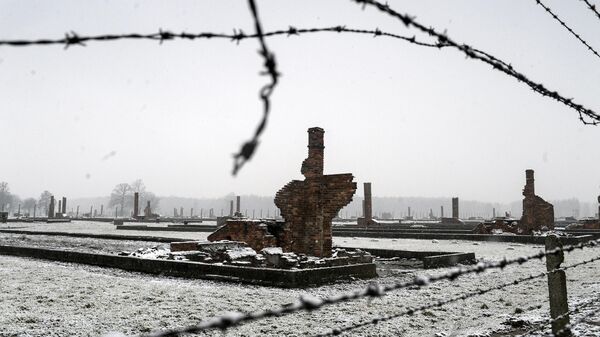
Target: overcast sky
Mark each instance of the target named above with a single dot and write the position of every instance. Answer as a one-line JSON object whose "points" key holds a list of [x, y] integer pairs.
{"points": [[414, 121]]}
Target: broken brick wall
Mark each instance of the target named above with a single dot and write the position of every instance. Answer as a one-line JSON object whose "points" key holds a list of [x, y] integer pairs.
{"points": [[253, 232]]}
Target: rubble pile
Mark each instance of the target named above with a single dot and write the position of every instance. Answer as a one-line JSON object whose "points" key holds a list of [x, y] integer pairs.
{"points": [[239, 254]]}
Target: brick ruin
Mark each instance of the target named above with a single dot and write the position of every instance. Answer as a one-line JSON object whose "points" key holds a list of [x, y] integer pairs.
{"points": [[367, 218], [308, 207], [455, 219], [538, 214]]}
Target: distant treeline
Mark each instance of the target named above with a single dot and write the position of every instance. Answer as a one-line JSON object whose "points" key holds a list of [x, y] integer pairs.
{"points": [[395, 206]]}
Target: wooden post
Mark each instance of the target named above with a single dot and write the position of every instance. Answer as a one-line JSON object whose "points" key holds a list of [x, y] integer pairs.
{"points": [[557, 288]]}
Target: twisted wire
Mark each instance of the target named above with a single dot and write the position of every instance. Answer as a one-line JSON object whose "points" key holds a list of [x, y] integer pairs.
{"points": [[506, 68], [592, 7], [309, 303], [547, 9], [247, 150], [440, 303]]}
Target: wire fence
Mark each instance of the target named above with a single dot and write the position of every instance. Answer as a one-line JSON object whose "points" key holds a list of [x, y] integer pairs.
{"points": [[592, 7], [374, 290], [562, 23], [586, 115]]}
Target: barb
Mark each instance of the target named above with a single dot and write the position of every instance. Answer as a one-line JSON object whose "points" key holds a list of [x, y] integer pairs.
{"points": [[592, 7], [539, 2], [478, 292], [247, 150], [309, 303], [489, 59]]}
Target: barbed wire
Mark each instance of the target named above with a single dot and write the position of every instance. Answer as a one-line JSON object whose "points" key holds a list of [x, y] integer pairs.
{"points": [[247, 150], [309, 303], [592, 7], [547, 9], [73, 38], [440, 303], [473, 53], [549, 321], [569, 326]]}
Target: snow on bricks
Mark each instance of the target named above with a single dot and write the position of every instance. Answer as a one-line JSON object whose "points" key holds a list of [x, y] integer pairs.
{"points": [[308, 206]]}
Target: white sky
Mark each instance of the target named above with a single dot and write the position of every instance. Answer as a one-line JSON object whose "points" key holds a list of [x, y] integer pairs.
{"points": [[414, 121]]}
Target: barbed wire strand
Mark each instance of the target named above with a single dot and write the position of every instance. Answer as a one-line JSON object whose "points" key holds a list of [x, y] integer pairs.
{"points": [[247, 150], [547, 9], [508, 69], [440, 303], [549, 321], [73, 38], [309, 303], [592, 7], [570, 326]]}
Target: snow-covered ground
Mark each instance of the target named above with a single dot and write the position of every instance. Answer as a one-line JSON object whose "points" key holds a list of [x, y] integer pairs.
{"points": [[43, 298]]}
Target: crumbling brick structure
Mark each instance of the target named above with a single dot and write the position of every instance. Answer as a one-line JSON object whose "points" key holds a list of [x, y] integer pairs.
{"points": [[255, 233], [538, 214], [308, 206]]}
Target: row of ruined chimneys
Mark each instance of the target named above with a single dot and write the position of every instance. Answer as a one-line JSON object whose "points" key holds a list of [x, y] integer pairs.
{"points": [[368, 205], [62, 206]]}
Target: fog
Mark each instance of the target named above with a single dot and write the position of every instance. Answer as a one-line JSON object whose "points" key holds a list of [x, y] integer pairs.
{"points": [[414, 121]]}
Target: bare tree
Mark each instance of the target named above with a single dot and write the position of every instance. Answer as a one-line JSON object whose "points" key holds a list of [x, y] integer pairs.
{"points": [[120, 196], [44, 201], [5, 196], [28, 204]]}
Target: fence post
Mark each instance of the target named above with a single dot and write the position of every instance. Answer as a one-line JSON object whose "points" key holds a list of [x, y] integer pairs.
{"points": [[557, 288]]}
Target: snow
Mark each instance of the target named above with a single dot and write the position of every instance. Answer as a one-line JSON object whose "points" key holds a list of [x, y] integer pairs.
{"points": [[42, 298]]}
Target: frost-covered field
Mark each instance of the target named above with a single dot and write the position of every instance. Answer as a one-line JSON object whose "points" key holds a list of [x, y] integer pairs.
{"points": [[42, 298]]}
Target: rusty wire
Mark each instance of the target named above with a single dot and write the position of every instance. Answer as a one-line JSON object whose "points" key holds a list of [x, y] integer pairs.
{"points": [[440, 303], [562, 23], [506, 68], [309, 303]]}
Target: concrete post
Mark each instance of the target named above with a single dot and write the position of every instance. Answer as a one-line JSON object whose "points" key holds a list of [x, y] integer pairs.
{"points": [[64, 205], [557, 288], [455, 208], [51, 207], [136, 204], [368, 202]]}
